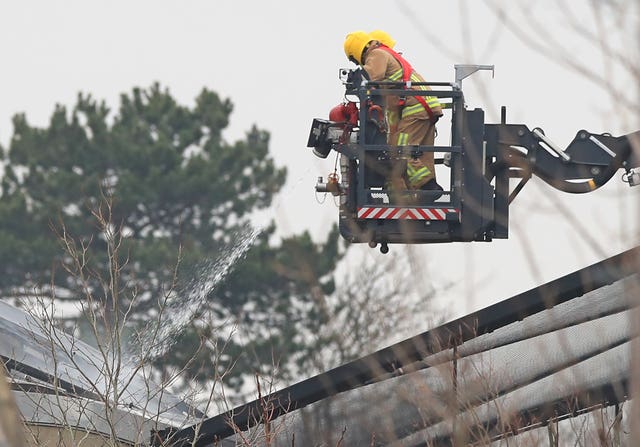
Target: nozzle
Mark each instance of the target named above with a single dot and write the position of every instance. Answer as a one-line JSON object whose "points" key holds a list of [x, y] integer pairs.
{"points": [[331, 186]]}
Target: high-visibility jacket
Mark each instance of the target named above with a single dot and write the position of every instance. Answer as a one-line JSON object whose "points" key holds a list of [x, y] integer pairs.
{"points": [[384, 64], [407, 75]]}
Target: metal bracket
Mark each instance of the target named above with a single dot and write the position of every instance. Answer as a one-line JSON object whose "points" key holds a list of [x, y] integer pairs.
{"points": [[466, 70], [540, 134]]}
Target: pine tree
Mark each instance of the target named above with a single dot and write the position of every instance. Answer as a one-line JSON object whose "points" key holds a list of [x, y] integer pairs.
{"points": [[179, 194]]}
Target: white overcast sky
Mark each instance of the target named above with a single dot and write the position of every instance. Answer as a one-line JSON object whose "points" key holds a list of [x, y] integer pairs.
{"points": [[277, 61]]}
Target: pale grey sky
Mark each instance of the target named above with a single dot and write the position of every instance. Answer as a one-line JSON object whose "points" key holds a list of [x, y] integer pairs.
{"points": [[277, 61]]}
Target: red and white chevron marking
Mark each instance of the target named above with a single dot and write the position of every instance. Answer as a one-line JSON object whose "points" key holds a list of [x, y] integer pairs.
{"points": [[367, 212]]}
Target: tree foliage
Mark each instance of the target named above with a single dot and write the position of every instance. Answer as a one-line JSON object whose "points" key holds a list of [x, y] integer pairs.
{"points": [[174, 185], [173, 178]]}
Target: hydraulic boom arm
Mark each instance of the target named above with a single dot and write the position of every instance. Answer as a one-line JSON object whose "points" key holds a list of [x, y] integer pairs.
{"points": [[588, 162]]}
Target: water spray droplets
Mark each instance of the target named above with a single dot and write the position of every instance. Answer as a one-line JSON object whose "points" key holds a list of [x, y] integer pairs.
{"points": [[185, 302]]}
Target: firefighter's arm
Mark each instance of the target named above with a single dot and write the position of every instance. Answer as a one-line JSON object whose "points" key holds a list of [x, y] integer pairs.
{"points": [[376, 65]]}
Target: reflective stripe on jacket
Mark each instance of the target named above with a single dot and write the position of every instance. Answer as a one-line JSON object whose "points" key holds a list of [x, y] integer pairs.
{"points": [[431, 101]]}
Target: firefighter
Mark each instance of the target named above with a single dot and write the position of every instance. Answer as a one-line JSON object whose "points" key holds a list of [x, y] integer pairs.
{"points": [[412, 119]]}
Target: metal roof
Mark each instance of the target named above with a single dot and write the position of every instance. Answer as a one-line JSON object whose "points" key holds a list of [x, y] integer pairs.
{"points": [[559, 347], [45, 362]]}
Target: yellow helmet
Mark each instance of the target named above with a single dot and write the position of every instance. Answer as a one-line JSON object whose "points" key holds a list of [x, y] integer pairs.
{"points": [[354, 45], [383, 37]]}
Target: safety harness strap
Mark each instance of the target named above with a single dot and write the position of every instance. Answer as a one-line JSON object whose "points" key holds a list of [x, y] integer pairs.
{"points": [[407, 70]]}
